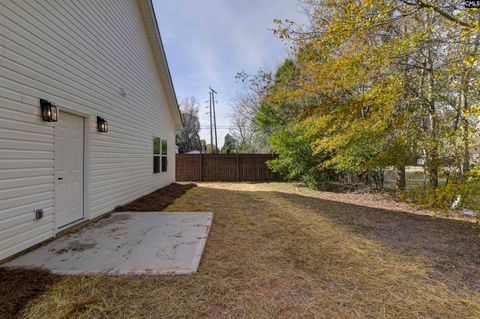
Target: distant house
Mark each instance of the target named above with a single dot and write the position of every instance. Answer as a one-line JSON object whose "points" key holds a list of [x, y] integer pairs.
{"points": [[194, 152], [421, 161], [88, 114]]}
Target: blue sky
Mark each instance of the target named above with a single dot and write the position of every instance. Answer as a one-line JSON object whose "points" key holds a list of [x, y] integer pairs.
{"points": [[208, 41]]}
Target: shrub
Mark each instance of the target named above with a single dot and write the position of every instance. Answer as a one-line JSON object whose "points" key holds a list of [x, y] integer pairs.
{"points": [[461, 193]]}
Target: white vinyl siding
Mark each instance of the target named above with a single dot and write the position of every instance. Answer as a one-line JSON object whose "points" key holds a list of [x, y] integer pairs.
{"points": [[78, 54]]}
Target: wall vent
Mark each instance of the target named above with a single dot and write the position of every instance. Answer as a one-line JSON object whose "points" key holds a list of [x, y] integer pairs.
{"points": [[38, 214]]}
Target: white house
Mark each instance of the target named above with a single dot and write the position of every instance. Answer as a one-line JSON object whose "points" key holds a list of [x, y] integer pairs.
{"points": [[101, 65]]}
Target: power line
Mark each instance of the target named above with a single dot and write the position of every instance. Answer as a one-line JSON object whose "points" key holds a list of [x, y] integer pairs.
{"points": [[219, 128]]}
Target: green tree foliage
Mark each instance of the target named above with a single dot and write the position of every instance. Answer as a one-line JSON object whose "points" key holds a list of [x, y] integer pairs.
{"points": [[229, 144], [296, 160], [210, 149]]}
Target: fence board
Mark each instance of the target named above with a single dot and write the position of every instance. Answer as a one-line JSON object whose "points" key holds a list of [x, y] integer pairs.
{"points": [[224, 167]]}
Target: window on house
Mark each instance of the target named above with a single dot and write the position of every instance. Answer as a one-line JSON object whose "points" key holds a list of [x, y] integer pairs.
{"points": [[164, 156], [156, 155]]}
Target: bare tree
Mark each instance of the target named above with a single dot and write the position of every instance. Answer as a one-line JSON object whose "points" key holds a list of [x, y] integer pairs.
{"points": [[245, 110], [188, 138]]}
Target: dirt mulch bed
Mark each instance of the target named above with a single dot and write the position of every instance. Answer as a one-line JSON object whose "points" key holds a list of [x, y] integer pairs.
{"points": [[158, 200], [19, 286]]}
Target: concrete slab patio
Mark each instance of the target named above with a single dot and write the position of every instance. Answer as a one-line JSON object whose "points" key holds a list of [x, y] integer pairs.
{"points": [[127, 243]]}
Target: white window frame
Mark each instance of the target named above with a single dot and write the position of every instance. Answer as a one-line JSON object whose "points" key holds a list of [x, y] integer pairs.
{"points": [[159, 155], [163, 156]]}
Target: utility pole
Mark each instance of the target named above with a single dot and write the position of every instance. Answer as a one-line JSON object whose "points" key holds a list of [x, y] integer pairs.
{"points": [[212, 95], [211, 127]]}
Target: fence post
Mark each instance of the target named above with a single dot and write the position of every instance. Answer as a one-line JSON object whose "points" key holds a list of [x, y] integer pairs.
{"points": [[201, 167], [238, 170]]}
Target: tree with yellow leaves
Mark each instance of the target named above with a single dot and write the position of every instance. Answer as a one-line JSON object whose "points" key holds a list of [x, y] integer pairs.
{"points": [[377, 83]]}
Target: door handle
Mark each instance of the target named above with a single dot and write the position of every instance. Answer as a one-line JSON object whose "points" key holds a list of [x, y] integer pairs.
{"points": [[60, 178]]}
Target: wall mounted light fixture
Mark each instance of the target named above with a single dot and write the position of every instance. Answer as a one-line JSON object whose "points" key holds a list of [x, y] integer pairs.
{"points": [[49, 111], [102, 124]]}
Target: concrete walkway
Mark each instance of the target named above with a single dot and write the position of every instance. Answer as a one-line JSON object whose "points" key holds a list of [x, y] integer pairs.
{"points": [[127, 243]]}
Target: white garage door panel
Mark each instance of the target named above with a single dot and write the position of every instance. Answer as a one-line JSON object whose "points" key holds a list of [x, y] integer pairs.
{"points": [[69, 169]]}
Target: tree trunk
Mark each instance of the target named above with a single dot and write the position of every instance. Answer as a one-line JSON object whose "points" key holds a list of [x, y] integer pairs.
{"points": [[433, 174], [401, 178], [466, 149], [462, 117], [465, 134], [433, 162]]}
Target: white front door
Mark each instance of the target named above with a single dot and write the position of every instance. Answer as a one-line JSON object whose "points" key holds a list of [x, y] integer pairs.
{"points": [[69, 169]]}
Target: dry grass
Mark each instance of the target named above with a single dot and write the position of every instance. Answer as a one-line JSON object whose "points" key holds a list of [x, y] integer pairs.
{"points": [[18, 286], [275, 252]]}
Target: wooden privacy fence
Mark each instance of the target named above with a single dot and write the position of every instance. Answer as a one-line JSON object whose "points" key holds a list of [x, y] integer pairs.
{"points": [[224, 167]]}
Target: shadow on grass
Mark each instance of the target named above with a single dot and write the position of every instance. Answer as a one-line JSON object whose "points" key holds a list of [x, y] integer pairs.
{"points": [[453, 246], [20, 286]]}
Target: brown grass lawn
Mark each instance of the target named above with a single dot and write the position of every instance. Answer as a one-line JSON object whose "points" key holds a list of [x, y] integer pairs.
{"points": [[278, 251]]}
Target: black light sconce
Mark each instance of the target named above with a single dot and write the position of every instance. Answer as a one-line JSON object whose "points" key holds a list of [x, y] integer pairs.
{"points": [[49, 111], [102, 124]]}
